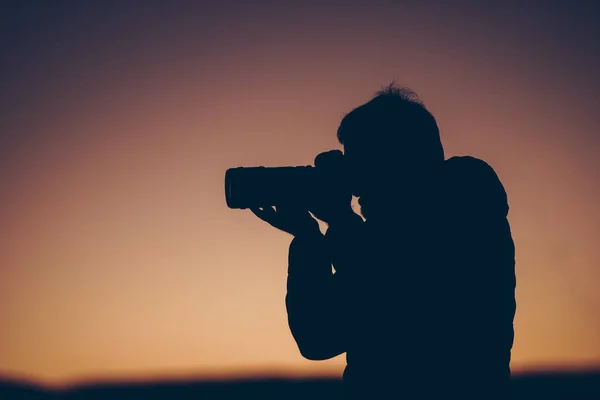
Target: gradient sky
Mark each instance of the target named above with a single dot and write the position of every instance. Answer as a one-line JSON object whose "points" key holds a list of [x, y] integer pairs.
{"points": [[118, 254]]}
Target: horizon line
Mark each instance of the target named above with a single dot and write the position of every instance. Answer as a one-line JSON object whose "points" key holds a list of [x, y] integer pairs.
{"points": [[241, 375]]}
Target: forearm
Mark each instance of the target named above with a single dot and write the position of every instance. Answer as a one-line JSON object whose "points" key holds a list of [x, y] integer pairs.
{"points": [[345, 240], [314, 315], [310, 279]]}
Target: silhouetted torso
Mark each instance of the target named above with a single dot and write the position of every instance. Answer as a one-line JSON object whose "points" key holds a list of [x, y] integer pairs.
{"points": [[422, 300]]}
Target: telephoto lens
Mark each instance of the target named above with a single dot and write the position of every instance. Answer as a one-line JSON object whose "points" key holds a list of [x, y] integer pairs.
{"points": [[250, 187]]}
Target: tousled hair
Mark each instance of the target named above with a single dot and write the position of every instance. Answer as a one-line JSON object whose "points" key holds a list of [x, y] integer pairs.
{"points": [[395, 116]]}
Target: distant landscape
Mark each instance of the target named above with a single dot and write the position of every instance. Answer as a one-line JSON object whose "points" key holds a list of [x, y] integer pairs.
{"points": [[544, 386]]}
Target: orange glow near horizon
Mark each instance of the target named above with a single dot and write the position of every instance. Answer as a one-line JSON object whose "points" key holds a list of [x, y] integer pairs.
{"points": [[118, 255]]}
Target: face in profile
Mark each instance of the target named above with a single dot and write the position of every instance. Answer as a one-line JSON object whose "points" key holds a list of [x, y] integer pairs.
{"points": [[372, 169], [390, 144]]}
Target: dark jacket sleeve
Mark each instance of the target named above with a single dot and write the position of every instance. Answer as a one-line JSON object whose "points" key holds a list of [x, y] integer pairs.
{"points": [[495, 246], [314, 299], [484, 205]]}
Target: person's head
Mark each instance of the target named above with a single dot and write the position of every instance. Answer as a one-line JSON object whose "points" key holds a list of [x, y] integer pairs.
{"points": [[390, 139]]}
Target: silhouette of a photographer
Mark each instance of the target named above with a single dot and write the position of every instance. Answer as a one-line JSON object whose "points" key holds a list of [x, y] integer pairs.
{"points": [[422, 300]]}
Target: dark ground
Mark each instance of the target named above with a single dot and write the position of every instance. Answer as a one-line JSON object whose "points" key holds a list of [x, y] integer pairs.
{"points": [[543, 386]]}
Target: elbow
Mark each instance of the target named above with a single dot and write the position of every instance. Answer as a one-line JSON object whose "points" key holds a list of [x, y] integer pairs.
{"points": [[317, 350], [315, 354]]}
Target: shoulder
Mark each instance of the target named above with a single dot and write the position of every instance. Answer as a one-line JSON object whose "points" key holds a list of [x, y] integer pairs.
{"points": [[470, 167], [476, 183]]}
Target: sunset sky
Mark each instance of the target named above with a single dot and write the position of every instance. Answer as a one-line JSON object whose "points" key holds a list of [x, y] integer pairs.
{"points": [[118, 255]]}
